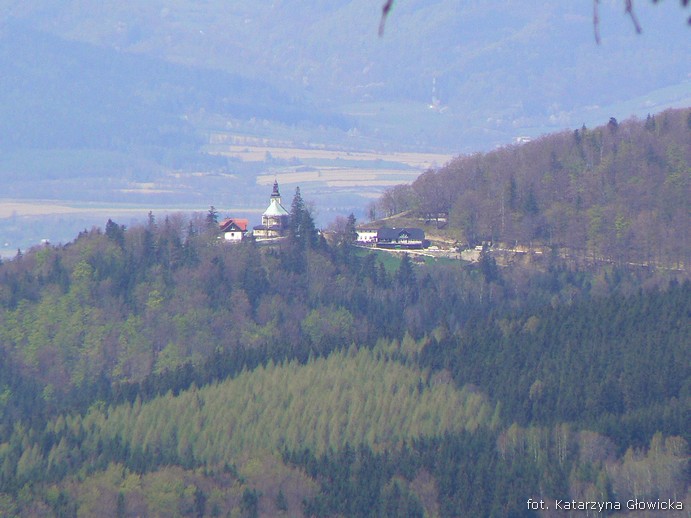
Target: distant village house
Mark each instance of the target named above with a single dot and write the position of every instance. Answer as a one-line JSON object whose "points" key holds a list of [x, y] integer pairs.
{"points": [[392, 238], [367, 236], [400, 238], [234, 229]]}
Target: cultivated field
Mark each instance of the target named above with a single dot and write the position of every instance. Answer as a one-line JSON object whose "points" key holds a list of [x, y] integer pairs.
{"points": [[336, 177], [258, 153], [367, 172]]}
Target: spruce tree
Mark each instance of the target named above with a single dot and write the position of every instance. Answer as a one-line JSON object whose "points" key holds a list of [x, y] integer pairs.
{"points": [[297, 208], [116, 232], [405, 276], [301, 229], [351, 231], [212, 217]]}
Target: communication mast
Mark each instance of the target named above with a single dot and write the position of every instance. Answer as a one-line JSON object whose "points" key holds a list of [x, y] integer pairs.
{"points": [[436, 103]]}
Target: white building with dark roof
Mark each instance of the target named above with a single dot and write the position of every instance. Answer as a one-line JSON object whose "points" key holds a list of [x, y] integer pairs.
{"points": [[400, 238]]}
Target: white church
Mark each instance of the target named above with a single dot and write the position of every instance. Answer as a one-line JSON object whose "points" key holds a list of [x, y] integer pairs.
{"points": [[275, 218]]}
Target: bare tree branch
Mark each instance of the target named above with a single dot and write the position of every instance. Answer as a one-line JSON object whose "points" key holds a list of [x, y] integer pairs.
{"points": [[629, 10], [384, 13], [388, 4], [684, 3]]}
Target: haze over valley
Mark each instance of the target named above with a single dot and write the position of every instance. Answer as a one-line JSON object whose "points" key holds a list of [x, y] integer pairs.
{"points": [[173, 106]]}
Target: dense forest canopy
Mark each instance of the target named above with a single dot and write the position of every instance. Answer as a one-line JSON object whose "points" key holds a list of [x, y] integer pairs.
{"points": [[618, 192], [157, 371]]}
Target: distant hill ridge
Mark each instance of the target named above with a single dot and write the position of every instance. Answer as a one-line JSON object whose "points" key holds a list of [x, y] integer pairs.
{"points": [[519, 68], [62, 93], [617, 192]]}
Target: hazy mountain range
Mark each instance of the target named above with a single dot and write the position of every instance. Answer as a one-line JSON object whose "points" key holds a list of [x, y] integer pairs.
{"points": [[499, 69]]}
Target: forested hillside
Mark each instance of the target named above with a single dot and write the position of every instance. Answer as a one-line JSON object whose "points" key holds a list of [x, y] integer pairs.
{"points": [[617, 192], [156, 371]]}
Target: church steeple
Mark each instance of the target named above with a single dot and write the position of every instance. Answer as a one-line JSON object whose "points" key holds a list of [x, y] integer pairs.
{"points": [[275, 195]]}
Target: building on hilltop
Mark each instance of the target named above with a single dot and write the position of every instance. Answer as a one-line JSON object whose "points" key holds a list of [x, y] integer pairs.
{"points": [[366, 235], [233, 229], [275, 218], [400, 238]]}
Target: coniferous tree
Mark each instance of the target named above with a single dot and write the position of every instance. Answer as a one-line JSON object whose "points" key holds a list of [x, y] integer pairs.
{"points": [[281, 501], [488, 265], [405, 276], [351, 231], [212, 218], [250, 503], [301, 230], [297, 208], [115, 232]]}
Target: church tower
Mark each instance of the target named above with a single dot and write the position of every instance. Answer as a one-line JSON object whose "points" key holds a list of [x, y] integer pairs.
{"points": [[275, 217], [275, 195]]}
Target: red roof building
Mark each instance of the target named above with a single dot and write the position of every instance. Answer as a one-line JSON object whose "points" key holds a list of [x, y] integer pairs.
{"points": [[234, 229]]}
